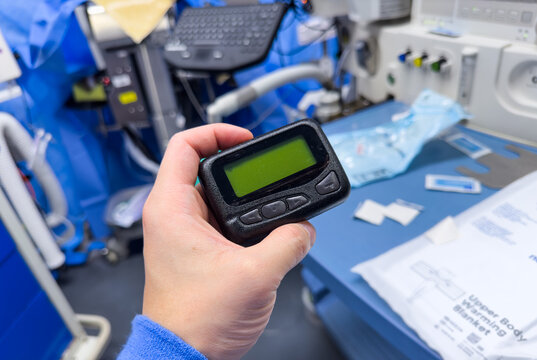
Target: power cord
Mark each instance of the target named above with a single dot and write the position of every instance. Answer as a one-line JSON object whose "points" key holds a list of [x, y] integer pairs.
{"points": [[192, 97]]}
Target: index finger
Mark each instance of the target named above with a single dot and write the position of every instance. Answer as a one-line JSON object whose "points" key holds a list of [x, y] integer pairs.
{"points": [[185, 150]]}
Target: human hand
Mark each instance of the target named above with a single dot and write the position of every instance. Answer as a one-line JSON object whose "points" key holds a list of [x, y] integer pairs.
{"points": [[214, 294]]}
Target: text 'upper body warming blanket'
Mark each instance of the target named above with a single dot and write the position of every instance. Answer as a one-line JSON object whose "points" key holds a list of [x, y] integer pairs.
{"points": [[474, 297]]}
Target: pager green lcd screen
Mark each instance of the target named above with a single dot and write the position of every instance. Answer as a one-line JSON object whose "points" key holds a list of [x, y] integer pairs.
{"points": [[269, 166]]}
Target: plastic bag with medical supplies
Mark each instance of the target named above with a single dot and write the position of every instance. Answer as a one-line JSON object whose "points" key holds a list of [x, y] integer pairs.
{"points": [[387, 150]]}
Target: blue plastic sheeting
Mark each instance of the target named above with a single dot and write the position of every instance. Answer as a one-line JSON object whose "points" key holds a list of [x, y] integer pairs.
{"points": [[6, 245], [38, 334], [53, 55], [36, 28], [200, 3], [18, 283], [30, 327]]}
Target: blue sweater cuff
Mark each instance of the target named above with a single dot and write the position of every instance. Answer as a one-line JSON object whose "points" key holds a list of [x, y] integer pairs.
{"points": [[149, 340]]}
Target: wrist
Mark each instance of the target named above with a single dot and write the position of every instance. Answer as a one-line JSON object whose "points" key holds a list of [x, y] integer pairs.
{"points": [[150, 340]]}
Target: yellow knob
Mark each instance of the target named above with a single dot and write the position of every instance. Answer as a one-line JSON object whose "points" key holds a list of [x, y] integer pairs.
{"points": [[418, 62]]}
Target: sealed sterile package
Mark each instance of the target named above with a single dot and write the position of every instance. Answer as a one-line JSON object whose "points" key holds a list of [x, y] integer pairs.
{"points": [[387, 150], [467, 286]]}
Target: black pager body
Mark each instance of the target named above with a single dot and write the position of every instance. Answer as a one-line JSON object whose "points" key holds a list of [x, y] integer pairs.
{"points": [[285, 176]]}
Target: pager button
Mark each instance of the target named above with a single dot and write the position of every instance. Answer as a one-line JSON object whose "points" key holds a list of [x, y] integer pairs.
{"points": [[253, 217], [296, 201], [328, 185], [274, 209]]}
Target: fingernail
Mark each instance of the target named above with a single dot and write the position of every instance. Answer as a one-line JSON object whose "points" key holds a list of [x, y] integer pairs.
{"points": [[311, 230]]}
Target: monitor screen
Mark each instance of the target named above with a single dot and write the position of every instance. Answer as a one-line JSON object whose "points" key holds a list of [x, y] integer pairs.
{"points": [[269, 166]]}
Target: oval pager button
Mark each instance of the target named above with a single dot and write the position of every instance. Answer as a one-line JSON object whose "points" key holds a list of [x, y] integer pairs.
{"points": [[328, 185], [274, 209], [252, 217], [296, 201]]}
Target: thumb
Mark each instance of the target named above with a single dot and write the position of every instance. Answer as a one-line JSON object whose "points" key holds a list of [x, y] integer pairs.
{"points": [[285, 247]]}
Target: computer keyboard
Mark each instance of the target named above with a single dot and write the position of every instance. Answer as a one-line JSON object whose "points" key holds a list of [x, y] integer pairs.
{"points": [[224, 38]]}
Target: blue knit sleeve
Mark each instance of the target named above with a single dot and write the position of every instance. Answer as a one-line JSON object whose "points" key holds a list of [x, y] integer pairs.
{"points": [[149, 340]]}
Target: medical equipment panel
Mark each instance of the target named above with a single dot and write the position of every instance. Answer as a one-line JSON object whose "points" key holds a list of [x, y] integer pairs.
{"points": [[488, 64], [513, 20], [138, 81], [124, 90], [363, 11]]}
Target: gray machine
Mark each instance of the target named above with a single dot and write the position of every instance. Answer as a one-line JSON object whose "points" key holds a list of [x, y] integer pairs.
{"points": [[482, 53], [138, 83], [140, 91]]}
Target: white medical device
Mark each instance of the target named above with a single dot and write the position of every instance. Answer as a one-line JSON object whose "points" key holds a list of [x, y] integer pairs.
{"points": [[235, 100], [481, 53], [363, 11], [15, 145]]}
